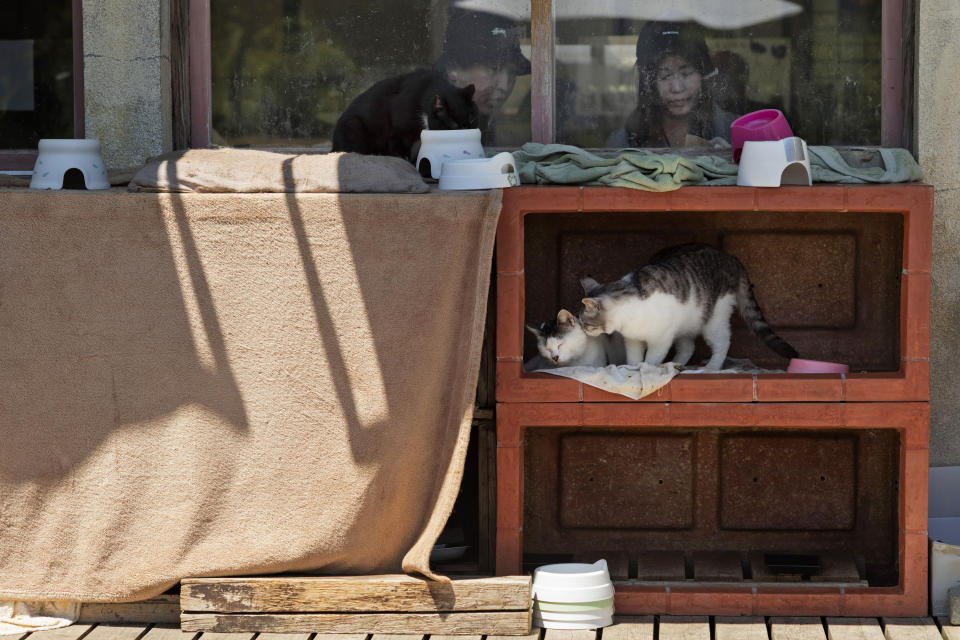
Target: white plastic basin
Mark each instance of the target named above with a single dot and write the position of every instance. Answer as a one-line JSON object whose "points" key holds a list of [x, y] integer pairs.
{"points": [[572, 607], [570, 575], [603, 621], [580, 616], [572, 582], [480, 173], [442, 146]]}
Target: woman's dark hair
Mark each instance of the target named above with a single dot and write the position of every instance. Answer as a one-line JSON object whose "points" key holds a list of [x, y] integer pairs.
{"points": [[656, 41]]}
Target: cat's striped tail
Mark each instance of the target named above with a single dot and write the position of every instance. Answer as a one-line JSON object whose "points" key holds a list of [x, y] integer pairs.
{"points": [[751, 314]]}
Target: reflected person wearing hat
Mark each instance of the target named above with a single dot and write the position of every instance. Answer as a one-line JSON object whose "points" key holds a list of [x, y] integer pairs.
{"points": [[675, 102], [483, 50]]}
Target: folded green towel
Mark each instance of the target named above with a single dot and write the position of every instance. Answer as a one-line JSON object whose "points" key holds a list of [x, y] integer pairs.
{"points": [[827, 165], [642, 169], [637, 168]]}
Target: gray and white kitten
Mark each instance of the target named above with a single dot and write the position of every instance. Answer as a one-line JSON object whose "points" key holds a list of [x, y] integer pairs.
{"points": [[684, 292], [563, 343]]}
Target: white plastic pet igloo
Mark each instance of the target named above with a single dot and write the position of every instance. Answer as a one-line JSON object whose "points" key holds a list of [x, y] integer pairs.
{"points": [[57, 156]]}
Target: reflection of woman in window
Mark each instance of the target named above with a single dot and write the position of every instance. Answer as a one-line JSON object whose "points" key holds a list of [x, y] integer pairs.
{"points": [[483, 50], [675, 106]]}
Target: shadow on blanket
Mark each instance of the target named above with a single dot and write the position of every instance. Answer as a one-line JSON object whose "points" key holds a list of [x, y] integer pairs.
{"points": [[225, 384]]}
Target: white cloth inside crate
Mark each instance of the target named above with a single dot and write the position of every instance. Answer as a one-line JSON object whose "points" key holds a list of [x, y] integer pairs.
{"points": [[635, 382]]}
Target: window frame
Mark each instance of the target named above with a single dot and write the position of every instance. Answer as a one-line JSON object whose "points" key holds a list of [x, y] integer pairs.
{"points": [[24, 159], [895, 76]]}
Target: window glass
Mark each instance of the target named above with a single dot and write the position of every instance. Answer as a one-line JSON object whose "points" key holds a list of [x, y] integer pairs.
{"points": [[36, 72], [284, 72], [677, 73]]}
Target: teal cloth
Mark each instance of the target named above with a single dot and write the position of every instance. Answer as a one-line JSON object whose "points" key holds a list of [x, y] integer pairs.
{"points": [[827, 165], [642, 169], [637, 168]]}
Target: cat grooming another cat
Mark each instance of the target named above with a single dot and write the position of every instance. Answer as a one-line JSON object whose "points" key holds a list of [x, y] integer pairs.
{"points": [[684, 292], [387, 118], [563, 343]]}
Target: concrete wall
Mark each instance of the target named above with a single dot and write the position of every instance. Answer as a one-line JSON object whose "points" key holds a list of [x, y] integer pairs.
{"points": [[126, 66], [938, 136]]}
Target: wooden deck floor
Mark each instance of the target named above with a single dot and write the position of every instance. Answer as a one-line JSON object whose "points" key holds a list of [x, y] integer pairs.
{"points": [[639, 628]]}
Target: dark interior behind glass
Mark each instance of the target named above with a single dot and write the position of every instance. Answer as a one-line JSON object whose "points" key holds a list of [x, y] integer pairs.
{"points": [[36, 72]]}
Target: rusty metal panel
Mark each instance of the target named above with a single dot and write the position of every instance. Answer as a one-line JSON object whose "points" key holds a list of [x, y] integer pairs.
{"points": [[801, 279], [874, 535], [788, 482], [626, 481]]}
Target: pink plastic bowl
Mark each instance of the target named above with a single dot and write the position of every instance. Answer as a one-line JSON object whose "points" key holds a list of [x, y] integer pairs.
{"points": [[766, 124], [815, 366]]}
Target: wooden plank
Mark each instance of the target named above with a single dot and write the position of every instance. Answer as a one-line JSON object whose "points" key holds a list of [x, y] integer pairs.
{"points": [[487, 378], [201, 75], [684, 628], [168, 632], [331, 636], [486, 488], [19, 636], [543, 91], [630, 628], [854, 629], [163, 609], [72, 632], [791, 628], [295, 636], [354, 593], [569, 634], [660, 565], [433, 637], [180, 73], [745, 628], [892, 43], [116, 632], [947, 630], [910, 629], [505, 623], [380, 636], [229, 636], [717, 566], [533, 635]]}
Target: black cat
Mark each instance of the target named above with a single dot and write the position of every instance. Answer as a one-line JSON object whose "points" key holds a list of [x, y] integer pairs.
{"points": [[387, 118]]}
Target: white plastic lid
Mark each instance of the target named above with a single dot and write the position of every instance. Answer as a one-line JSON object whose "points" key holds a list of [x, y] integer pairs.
{"points": [[572, 575]]}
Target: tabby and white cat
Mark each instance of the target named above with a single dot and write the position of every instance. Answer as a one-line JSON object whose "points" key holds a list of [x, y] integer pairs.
{"points": [[563, 343], [684, 292]]}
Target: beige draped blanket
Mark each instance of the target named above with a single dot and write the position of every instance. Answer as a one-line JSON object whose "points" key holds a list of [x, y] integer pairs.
{"points": [[225, 384]]}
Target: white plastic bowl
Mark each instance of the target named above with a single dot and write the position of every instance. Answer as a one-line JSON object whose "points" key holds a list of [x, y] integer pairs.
{"points": [[575, 595], [579, 616], [443, 146], [482, 173], [558, 624], [572, 582], [572, 607], [57, 156], [774, 163], [572, 575]]}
